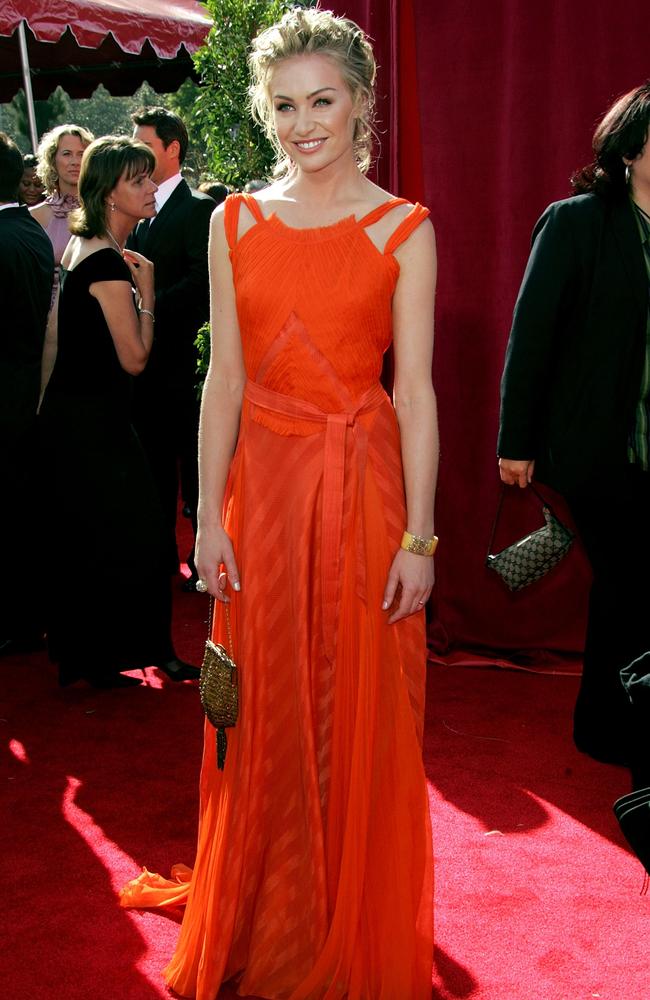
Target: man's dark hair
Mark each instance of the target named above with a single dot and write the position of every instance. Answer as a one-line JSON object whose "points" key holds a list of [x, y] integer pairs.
{"points": [[11, 168], [217, 191], [168, 127], [623, 132]]}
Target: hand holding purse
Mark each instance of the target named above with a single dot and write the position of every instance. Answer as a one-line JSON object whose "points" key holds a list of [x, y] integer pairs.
{"points": [[531, 557]]}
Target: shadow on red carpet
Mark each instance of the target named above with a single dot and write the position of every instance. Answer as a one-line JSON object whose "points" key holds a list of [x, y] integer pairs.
{"points": [[536, 894]]}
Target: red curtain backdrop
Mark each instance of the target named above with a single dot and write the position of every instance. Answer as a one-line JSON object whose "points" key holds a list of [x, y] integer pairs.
{"points": [[497, 104]]}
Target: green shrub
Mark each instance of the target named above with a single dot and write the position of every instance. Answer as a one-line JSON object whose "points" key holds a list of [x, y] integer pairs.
{"points": [[236, 149]]}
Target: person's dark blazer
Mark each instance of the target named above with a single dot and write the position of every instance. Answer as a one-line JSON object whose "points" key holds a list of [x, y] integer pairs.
{"points": [[176, 240], [26, 274], [575, 356]]}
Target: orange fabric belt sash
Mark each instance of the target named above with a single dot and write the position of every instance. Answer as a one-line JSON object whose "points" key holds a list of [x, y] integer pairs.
{"points": [[337, 426]]}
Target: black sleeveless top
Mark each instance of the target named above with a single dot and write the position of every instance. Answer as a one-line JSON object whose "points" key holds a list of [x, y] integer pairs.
{"points": [[87, 363]]}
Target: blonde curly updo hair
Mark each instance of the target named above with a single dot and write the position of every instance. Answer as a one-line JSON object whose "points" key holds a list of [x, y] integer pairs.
{"points": [[47, 151], [303, 32]]}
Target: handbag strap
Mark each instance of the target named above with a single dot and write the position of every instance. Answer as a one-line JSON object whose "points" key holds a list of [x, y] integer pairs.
{"points": [[228, 628], [545, 506]]}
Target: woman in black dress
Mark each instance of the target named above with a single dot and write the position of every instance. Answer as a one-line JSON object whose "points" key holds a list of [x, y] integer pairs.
{"points": [[109, 600]]}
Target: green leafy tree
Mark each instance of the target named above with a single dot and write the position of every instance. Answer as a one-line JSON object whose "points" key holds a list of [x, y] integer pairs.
{"points": [[107, 115], [183, 103], [101, 113], [48, 114], [237, 149], [104, 114]]}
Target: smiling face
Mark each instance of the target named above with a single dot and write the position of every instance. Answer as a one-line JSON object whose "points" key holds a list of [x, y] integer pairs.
{"points": [[133, 199], [67, 163], [30, 189], [313, 111]]}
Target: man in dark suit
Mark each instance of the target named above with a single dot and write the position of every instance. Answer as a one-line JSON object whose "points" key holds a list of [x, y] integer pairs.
{"points": [[166, 407], [26, 274], [576, 401]]}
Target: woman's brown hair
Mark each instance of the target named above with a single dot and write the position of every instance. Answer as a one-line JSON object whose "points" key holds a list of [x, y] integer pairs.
{"points": [[103, 163], [622, 133]]}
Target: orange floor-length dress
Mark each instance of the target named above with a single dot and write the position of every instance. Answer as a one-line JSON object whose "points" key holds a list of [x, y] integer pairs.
{"points": [[313, 877]]}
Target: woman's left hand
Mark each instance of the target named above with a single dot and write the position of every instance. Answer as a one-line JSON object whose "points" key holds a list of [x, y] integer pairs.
{"points": [[411, 579], [142, 271]]}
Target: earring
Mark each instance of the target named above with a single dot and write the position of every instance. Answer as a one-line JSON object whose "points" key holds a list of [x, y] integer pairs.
{"points": [[112, 206], [628, 174]]}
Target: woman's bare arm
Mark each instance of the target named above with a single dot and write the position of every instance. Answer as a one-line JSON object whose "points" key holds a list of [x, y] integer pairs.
{"points": [[415, 406], [131, 329], [220, 415], [132, 333], [42, 213]]}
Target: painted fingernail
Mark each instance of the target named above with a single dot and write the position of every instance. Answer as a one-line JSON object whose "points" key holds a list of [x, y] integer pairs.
{"points": [[384, 606], [236, 585]]}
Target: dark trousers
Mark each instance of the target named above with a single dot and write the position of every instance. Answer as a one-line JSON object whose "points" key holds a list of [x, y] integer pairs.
{"points": [[167, 425], [612, 516], [636, 680], [110, 606]]}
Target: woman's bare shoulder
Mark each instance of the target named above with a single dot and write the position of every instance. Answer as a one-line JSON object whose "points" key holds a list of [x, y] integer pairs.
{"points": [[80, 249], [276, 191], [42, 213]]}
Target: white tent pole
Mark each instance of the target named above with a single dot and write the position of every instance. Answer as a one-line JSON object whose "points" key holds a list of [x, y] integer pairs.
{"points": [[27, 83]]}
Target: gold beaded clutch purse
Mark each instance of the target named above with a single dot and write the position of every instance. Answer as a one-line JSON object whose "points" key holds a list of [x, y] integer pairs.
{"points": [[218, 687]]}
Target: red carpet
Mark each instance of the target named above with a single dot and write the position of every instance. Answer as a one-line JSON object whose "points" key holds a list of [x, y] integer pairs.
{"points": [[536, 895]]}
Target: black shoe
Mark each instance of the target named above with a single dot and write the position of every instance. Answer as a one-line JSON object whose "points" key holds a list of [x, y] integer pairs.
{"points": [[21, 645], [604, 753], [103, 678], [177, 670], [69, 674], [611, 745]]}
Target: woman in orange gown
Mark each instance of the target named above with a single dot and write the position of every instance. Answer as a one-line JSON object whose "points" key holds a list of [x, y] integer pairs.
{"points": [[313, 876]]}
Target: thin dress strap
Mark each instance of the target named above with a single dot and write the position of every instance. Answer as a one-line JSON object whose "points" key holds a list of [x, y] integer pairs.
{"points": [[253, 206], [417, 215], [231, 209], [380, 211]]}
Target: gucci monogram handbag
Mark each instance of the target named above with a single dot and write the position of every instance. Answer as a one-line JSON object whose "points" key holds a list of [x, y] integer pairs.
{"points": [[532, 556], [218, 687]]}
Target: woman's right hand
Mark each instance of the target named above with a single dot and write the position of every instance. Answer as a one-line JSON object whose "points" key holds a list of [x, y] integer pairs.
{"points": [[214, 550], [516, 473], [141, 269]]}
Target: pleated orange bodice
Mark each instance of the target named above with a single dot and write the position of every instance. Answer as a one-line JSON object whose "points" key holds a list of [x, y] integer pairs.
{"points": [[313, 876], [334, 285]]}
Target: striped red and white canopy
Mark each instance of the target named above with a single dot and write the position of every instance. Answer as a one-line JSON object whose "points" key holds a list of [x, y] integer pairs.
{"points": [[80, 43]]}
